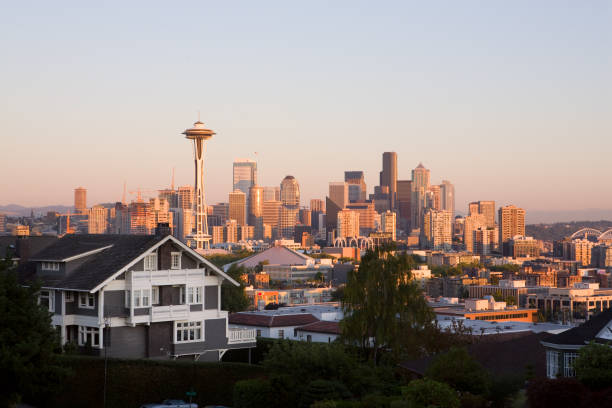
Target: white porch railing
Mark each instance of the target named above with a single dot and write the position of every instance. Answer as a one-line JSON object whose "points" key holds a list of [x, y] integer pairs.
{"points": [[167, 276], [241, 336], [163, 313]]}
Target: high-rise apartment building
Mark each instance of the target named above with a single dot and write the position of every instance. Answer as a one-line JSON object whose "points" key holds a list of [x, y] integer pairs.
{"points": [[388, 177], [318, 205], [447, 195], [580, 251], [511, 222], [433, 198], [141, 220], [404, 195], [486, 208], [245, 175], [185, 197], [420, 186], [237, 206], [437, 231], [484, 240], [98, 220], [389, 220], [339, 193], [271, 194], [348, 224], [80, 200], [356, 184]]}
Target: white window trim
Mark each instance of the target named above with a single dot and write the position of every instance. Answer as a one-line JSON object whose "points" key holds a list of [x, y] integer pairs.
{"points": [[87, 296], [568, 359], [197, 324], [50, 266], [194, 295], [83, 331], [552, 363], [172, 257], [149, 262], [155, 295], [51, 296], [138, 297]]}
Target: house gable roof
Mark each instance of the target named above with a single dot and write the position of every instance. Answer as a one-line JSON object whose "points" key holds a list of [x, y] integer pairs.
{"points": [[586, 332], [254, 319], [105, 257], [322, 326], [277, 255]]}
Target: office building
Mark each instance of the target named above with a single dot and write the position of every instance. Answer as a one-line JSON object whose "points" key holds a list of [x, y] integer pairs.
{"points": [[271, 194], [472, 222], [447, 196], [420, 186], [255, 218], [437, 231], [357, 185], [348, 224], [404, 195], [388, 177], [389, 221], [244, 175], [580, 251], [290, 191], [305, 217], [287, 220], [521, 247], [367, 216], [237, 207], [169, 195], [316, 204], [511, 222], [98, 220], [80, 200], [339, 193], [271, 213], [221, 210], [486, 208], [484, 240]]}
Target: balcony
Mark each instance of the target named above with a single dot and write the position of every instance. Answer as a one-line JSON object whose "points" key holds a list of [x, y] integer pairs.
{"points": [[237, 336], [168, 277], [165, 313]]}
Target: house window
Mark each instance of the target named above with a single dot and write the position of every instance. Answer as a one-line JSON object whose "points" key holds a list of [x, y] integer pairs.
{"points": [[50, 266], [194, 295], [188, 332], [552, 363], [281, 334], [87, 300], [155, 295], [89, 336], [150, 262], [142, 298], [258, 332], [175, 260], [46, 299], [568, 368], [69, 296]]}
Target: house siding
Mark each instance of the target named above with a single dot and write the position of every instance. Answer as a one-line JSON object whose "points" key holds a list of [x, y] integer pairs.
{"points": [[169, 295], [211, 297], [160, 339], [114, 304], [128, 342], [58, 302], [195, 308]]}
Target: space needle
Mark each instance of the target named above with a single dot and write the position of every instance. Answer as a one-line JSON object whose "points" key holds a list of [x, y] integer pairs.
{"points": [[199, 134]]}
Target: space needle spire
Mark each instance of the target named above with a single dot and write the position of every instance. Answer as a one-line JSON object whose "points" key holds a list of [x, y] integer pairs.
{"points": [[199, 135]]}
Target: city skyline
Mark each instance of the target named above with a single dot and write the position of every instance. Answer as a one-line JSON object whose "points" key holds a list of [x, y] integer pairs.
{"points": [[520, 130]]}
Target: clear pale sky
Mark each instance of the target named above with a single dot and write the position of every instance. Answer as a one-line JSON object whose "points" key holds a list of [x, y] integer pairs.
{"points": [[509, 100]]}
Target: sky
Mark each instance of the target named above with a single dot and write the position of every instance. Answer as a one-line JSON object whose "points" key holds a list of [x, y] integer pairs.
{"points": [[509, 100]]}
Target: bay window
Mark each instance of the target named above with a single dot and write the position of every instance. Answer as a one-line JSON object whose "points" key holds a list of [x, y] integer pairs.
{"points": [[89, 336], [188, 332]]}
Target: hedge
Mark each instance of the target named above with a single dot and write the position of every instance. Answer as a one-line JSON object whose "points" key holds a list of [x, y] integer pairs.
{"points": [[131, 383]]}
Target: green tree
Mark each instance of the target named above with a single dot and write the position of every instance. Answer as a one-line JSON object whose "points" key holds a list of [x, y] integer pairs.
{"points": [[319, 277], [28, 343], [382, 304], [233, 298], [594, 365], [458, 369], [427, 393]]}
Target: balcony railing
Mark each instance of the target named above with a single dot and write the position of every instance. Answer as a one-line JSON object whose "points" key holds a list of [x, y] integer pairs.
{"points": [[167, 276], [241, 336], [163, 313]]}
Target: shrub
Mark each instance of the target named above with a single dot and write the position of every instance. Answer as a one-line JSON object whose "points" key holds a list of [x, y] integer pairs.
{"points": [[427, 393], [255, 393], [318, 390], [563, 392], [458, 369], [594, 366]]}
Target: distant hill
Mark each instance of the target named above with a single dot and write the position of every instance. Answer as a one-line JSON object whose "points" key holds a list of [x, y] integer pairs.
{"points": [[560, 230], [16, 210]]}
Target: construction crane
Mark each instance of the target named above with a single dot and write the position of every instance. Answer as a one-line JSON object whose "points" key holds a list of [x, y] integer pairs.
{"points": [[139, 192], [68, 229]]}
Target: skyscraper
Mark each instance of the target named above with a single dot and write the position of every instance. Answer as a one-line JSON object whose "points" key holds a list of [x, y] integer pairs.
{"points": [[486, 208], [471, 223], [271, 193], [80, 200], [437, 231], [404, 193], [237, 206], [511, 222], [447, 195], [356, 184], [388, 221], [185, 197], [420, 185], [339, 193], [485, 240], [316, 204], [98, 220], [388, 177], [245, 175], [290, 191], [271, 214], [289, 211], [198, 134], [256, 210]]}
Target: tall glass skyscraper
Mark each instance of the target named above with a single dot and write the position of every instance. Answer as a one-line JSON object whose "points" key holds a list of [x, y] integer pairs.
{"points": [[245, 175]]}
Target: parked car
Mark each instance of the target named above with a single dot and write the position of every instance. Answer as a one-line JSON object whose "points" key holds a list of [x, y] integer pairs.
{"points": [[170, 403]]}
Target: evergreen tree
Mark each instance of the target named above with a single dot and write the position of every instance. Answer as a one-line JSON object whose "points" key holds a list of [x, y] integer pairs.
{"points": [[233, 298]]}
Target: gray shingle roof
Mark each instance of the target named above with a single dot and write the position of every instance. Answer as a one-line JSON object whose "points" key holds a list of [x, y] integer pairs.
{"points": [[586, 332]]}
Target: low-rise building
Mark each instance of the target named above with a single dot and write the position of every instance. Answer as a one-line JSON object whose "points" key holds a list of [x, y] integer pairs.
{"points": [[572, 304]]}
